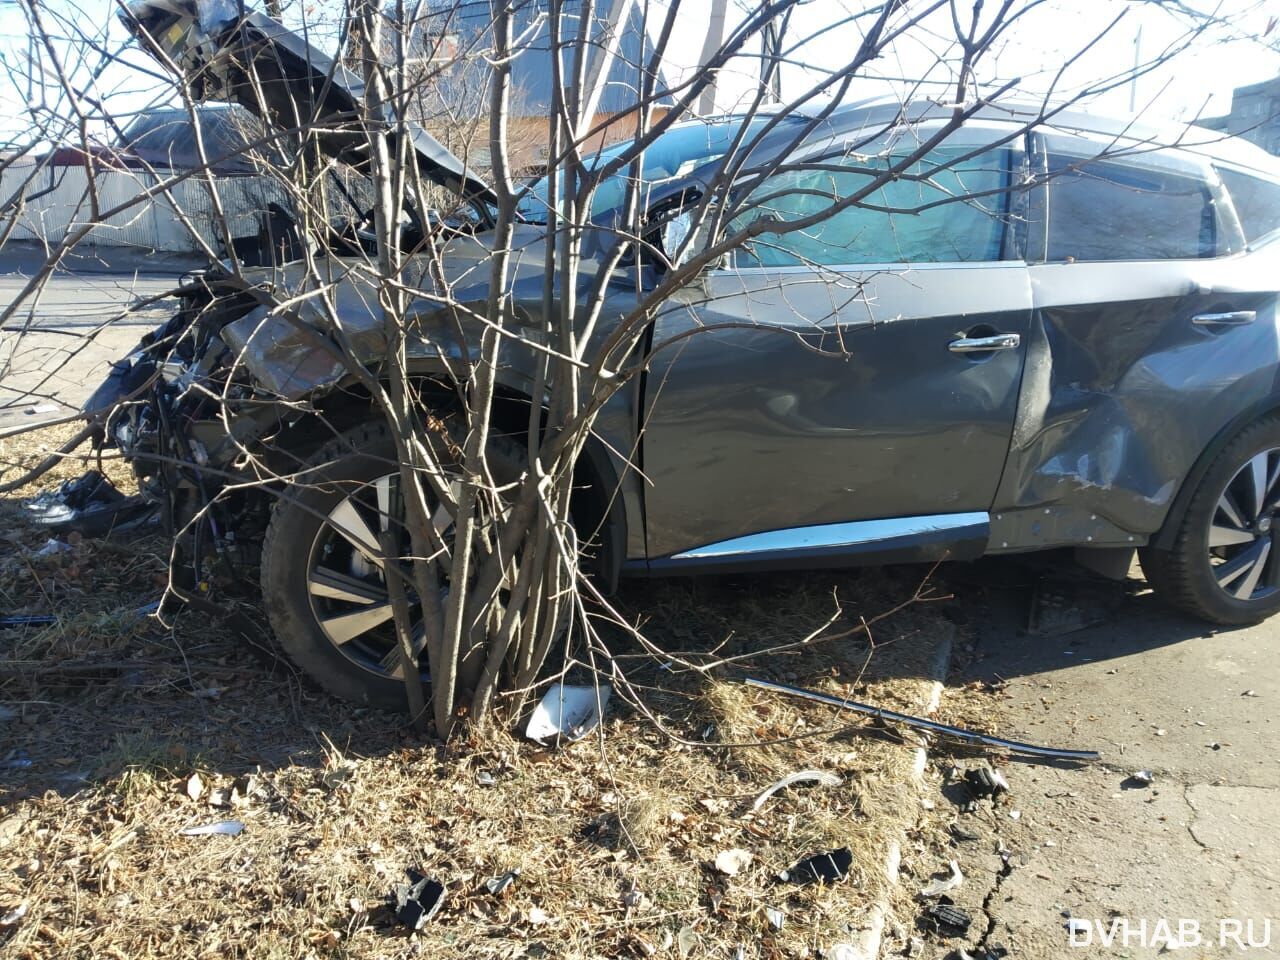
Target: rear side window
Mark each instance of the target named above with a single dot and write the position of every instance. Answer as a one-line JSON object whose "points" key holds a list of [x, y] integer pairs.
{"points": [[1257, 202], [1112, 211]]}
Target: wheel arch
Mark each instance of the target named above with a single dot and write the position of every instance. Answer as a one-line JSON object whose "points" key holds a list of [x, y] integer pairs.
{"points": [[1163, 538]]}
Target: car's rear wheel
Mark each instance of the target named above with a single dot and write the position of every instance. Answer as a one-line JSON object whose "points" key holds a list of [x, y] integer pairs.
{"points": [[323, 581], [1224, 565]]}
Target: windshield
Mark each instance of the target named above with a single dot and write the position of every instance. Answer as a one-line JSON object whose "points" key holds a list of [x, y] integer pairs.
{"points": [[679, 151]]}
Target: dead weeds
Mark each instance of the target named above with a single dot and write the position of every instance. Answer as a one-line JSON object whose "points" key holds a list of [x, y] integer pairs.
{"points": [[107, 715]]}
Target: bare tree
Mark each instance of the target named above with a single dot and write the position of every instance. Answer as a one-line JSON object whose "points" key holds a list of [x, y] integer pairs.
{"points": [[425, 386]]}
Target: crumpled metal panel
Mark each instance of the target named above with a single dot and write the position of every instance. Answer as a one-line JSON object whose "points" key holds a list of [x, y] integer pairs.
{"points": [[1122, 391]]}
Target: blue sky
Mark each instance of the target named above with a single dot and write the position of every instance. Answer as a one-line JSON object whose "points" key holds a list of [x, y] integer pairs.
{"points": [[1197, 81]]}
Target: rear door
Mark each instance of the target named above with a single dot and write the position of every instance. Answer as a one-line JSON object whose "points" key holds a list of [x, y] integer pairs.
{"points": [[849, 387], [1153, 331]]}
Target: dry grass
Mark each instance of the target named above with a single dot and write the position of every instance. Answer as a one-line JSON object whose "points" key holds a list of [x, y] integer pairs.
{"points": [[106, 716]]}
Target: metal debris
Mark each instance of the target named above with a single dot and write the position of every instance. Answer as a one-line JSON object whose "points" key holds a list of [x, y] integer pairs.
{"points": [[820, 868], [416, 902], [498, 885], [229, 828], [968, 737], [567, 713], [820, 777], [944, 884]]}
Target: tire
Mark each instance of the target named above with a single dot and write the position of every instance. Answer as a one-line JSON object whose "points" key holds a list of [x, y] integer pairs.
{"points": [[355, 474], [1224, 565]]}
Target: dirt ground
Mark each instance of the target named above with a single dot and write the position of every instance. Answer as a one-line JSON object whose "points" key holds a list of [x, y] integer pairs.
{"points": [[119, 729]]}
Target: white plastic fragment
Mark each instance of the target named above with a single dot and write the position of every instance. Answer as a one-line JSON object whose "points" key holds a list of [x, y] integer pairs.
{"points": [[42, 408], [228, 828], [12, 918], [731, 862], [939, 887], [775, 917], [820, 777], [567, 712]]}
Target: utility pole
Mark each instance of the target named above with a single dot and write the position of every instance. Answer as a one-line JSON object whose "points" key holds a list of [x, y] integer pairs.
{"points": [[771, 62], [715, 37], [1133, 79]]}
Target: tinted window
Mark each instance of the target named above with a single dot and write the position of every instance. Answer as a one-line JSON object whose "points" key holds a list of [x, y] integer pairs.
{"points": [[927, 215], [1257, 203], [1112, 211]]}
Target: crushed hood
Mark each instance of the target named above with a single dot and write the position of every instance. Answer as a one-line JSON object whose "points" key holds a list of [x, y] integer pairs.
{"points": [[225, 52]]}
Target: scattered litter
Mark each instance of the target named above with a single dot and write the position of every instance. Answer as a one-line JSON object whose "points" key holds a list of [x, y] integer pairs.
{"points": [[820, 868], [194, 786], [946, 916], [416, 902], [1139, 778], [35, 620], [1015, 814], [944, 884], [686, 940], [14, 916], [229, 828], [820, 777], [986, 782], [969, 737], [632, 898], [775, 917], [567, 712], [1214, 746], [485, 779], [220, 798], [731, 862], [1160, 731], [42, 408], [89, 504], [539, 917], [53, 548], [1249, 693], [498, 885]]}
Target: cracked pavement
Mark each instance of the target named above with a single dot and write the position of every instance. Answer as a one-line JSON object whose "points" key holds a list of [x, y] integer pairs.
{"points": [[1153, 690]]}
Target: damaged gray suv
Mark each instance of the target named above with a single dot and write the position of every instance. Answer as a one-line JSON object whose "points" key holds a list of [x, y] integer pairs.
{"points": [[1093, 363]]}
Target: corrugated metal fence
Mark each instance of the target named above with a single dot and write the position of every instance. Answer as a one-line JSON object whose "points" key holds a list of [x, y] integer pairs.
{"points": [[52, 200]]}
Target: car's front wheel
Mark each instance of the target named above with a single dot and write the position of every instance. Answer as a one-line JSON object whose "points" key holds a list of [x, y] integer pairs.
{"points": [[1224, 565]]}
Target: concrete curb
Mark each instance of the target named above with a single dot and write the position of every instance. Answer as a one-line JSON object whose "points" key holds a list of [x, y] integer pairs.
{"points": [[870, 940]]}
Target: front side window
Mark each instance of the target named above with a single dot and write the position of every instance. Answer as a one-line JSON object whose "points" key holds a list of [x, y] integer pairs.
{"points": [[945, 208], [1100, 210]]}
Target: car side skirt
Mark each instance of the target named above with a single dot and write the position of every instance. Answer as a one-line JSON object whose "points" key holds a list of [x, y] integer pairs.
{"points": [[921, 539]]}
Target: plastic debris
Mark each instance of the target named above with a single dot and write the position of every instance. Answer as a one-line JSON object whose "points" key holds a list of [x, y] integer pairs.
{"points": [[498, 885], [731, 862], [13, 917], [944, 884], [567, 712], [416, 902], [986, 782], [539, 917], [820, 868], [947, 917], [194, 786], [485, 779], [775, 917], [820, 777], [686, 941], [53, 548], [42, 408], [1139, 778], [1249, 693], [229, 828], [34, 620]]}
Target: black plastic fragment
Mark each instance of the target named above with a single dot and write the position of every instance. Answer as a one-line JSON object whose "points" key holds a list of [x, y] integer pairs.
{"points": [[89, 504], [820, 868], [417, 901], [985, 782], [947, 918]]}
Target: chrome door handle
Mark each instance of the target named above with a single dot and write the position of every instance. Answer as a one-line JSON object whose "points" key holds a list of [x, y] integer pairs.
{"points": [[1236, 318], [1001, 341]]}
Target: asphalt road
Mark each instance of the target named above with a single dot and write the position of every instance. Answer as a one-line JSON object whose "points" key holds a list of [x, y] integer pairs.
{"points": [[1189, 863], [58, 342]]}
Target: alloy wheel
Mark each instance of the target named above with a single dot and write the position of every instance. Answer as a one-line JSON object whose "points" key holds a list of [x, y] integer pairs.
{"points": [[1244, 532], [346, 579]]}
